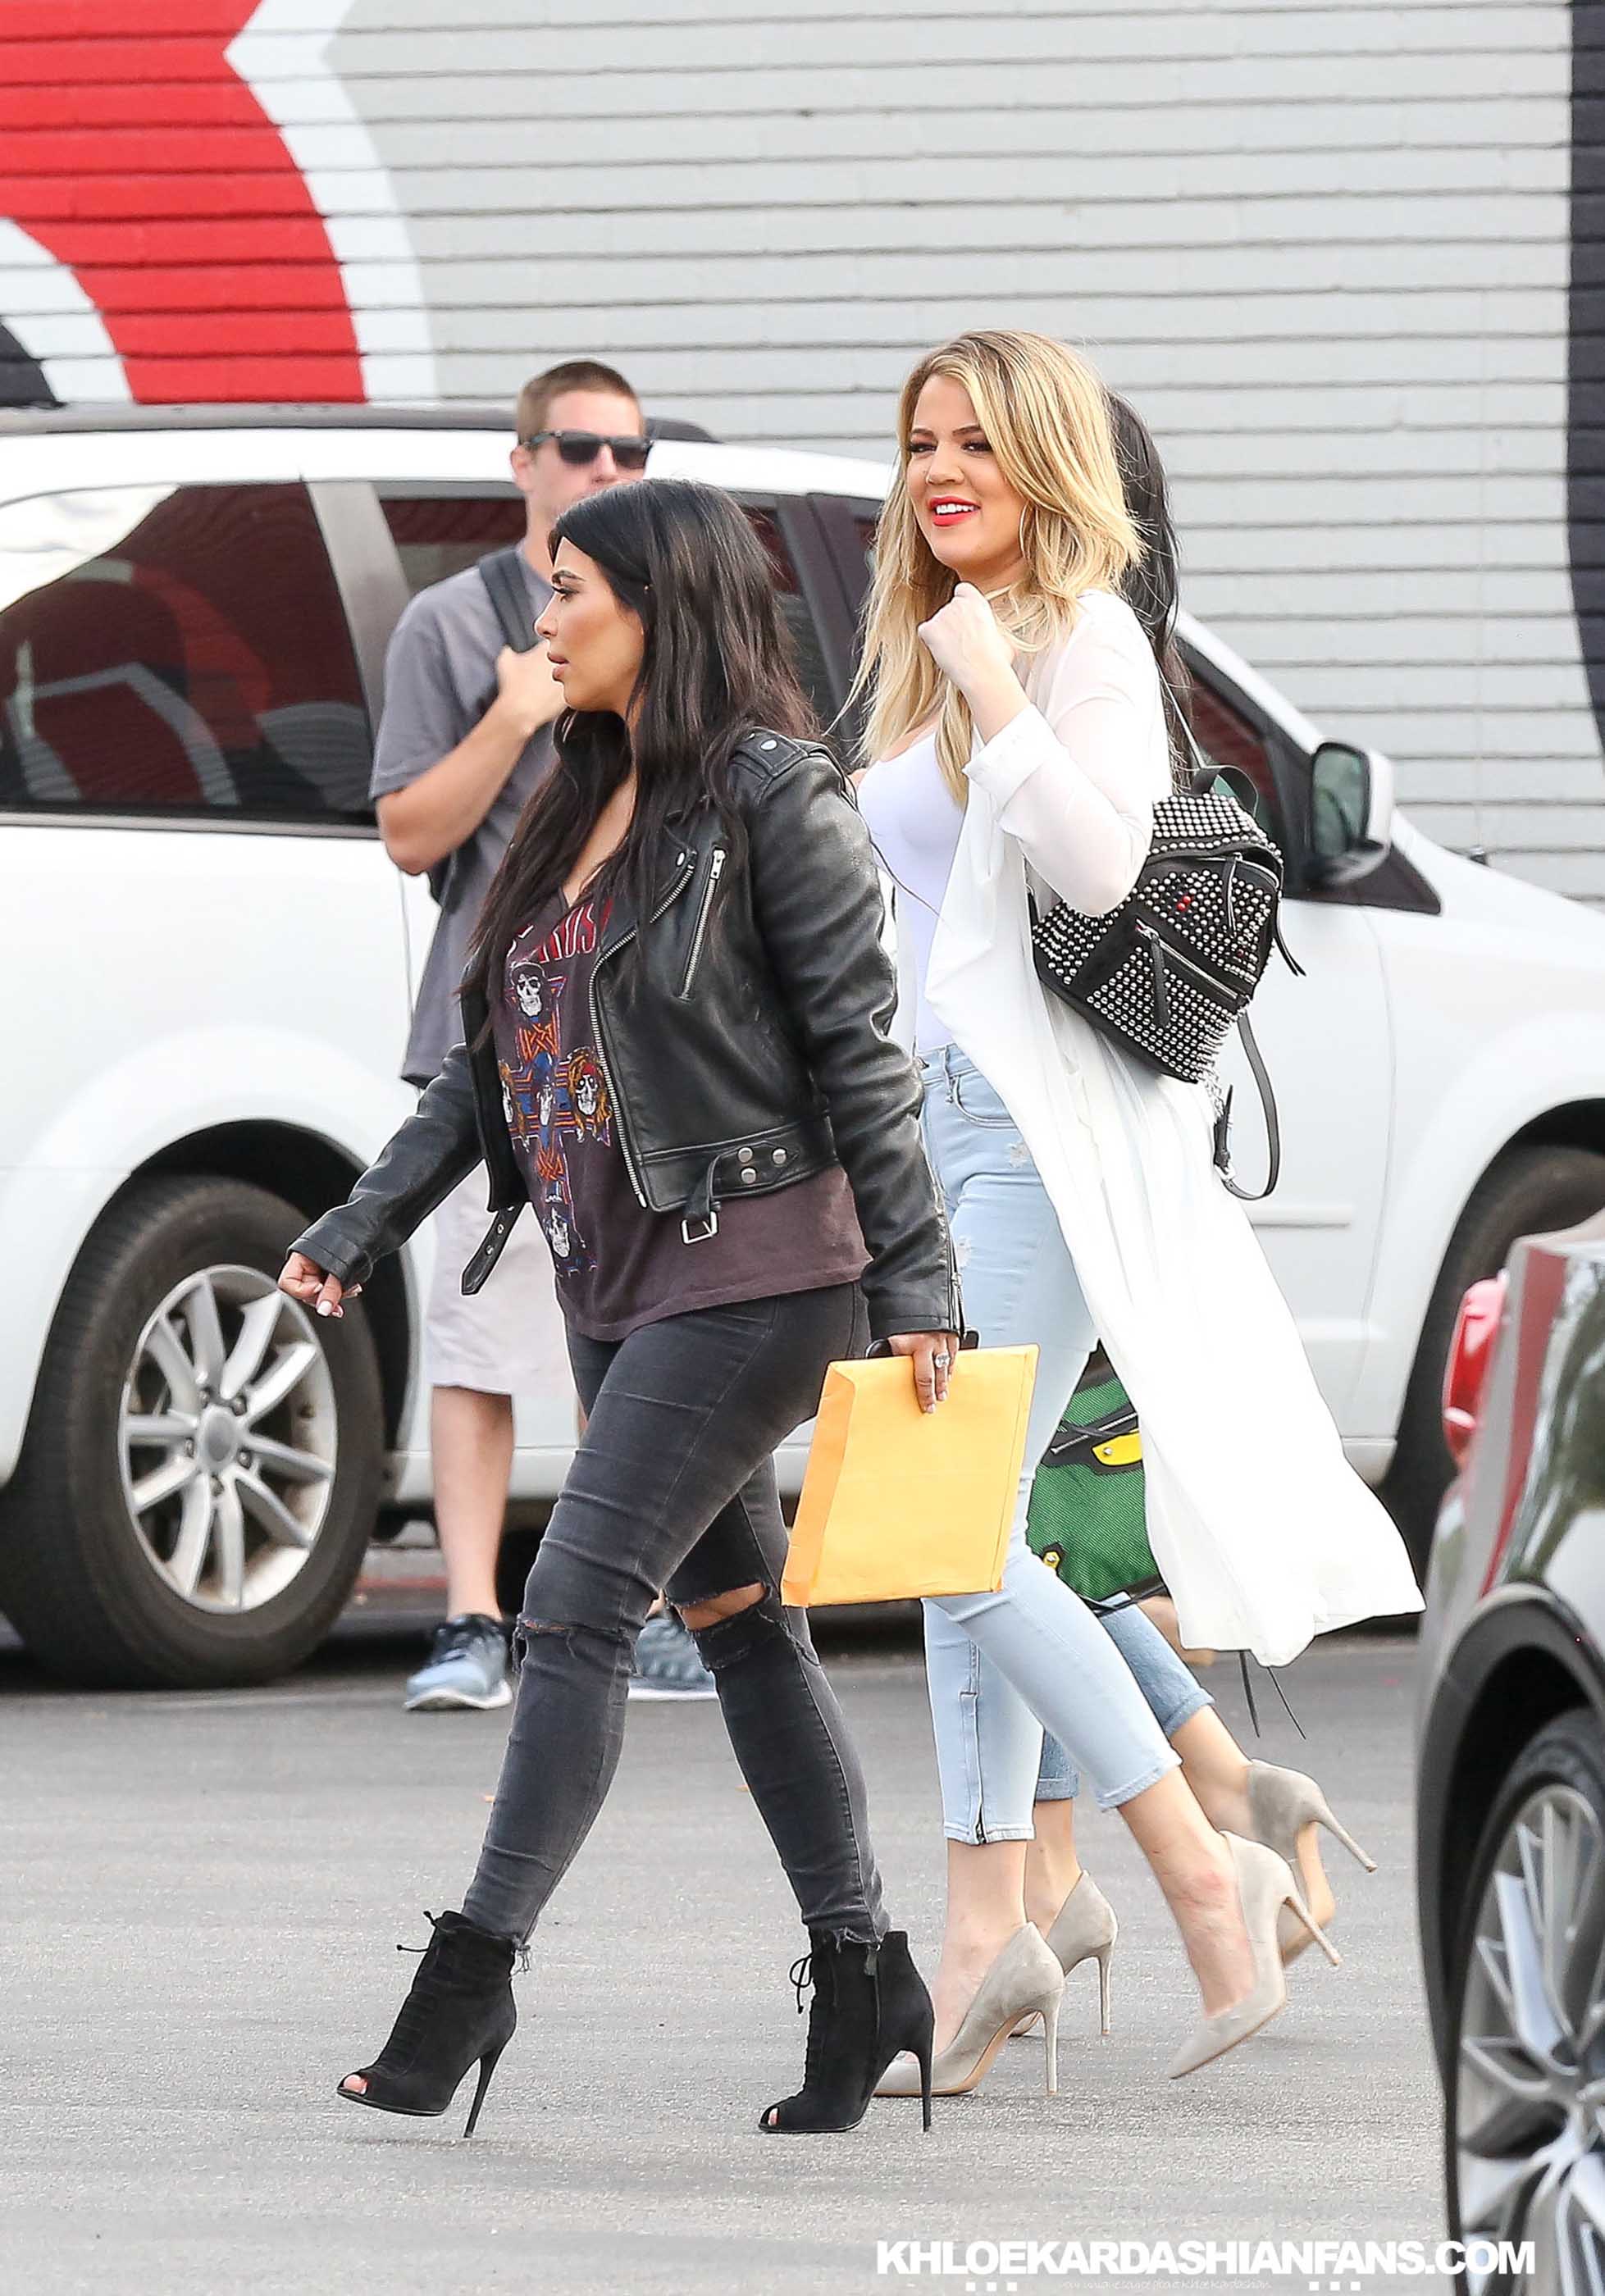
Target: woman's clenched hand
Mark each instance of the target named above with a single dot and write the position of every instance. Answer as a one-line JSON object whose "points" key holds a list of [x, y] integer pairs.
{"points": [[965, 643], [314, 1286]]}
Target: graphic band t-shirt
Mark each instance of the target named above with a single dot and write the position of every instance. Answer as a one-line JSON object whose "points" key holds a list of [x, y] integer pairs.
{"points": [[618, 1265]]}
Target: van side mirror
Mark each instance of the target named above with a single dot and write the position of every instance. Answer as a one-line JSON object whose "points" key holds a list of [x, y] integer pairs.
{"points": [[1351, 813]]}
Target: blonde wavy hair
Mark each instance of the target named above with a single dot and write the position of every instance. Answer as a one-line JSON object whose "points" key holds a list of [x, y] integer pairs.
{"points": [[1046, 418]]}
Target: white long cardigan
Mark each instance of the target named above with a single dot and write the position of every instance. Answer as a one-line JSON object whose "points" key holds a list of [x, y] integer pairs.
{"points": [[1265, 1534]]}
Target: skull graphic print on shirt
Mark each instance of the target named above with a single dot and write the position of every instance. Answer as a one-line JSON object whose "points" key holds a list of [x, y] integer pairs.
{"points": [[554, 1092]]}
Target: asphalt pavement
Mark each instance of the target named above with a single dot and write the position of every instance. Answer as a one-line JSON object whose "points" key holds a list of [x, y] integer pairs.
{"points": [[203, 1897]]}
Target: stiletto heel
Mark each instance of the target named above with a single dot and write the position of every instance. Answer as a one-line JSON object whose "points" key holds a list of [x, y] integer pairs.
{"points": [[1025, 1980], [1084, 1929], [487, 2064], [1104, 1959], [1284, 1807], [1297, 1905], [1264, 1886], [458, 2011], [1323, 1817], [1051, 2016], [1288, 1801], [923, 2053]]}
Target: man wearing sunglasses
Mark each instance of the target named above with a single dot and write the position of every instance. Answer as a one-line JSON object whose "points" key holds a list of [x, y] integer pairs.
{"points": [[465, 739]]}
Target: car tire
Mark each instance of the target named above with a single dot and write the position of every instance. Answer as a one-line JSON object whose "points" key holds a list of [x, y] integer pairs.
{"points": [[232, 1575], [1527, 1192], [1514, 2090]]}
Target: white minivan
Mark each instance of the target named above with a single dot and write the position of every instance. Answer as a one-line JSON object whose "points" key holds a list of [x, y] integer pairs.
{"points": [[209, 957]]}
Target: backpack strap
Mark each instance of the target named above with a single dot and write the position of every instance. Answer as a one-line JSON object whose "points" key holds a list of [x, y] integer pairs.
{"points": [[1261, 1077], [509, 596]]}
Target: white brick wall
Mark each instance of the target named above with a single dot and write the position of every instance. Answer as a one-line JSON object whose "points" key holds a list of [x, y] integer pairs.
{"points": [[1324, 248]]}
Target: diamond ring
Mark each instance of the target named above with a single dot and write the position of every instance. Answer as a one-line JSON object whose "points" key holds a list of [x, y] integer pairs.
{"points": [[942, 1362]]}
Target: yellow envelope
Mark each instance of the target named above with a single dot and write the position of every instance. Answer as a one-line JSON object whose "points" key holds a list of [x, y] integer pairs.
{"points": [[897, 1501]]}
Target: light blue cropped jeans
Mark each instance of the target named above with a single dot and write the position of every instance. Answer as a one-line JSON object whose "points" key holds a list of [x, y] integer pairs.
{"points": [[1112, 1692]]}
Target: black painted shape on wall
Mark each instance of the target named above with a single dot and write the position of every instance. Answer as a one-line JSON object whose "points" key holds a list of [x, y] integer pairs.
{"points": [[1585, 348], [22, 378]]}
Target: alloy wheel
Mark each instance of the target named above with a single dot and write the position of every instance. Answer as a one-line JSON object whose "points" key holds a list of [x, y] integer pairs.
{"points": [[1529, 2157], [227, 1439]]}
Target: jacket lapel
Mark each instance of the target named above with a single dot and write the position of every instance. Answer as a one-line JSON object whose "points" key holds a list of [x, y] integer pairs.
{"points": [[676, 856]]}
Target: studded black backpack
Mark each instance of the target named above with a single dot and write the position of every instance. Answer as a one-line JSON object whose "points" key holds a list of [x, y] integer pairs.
{"points": [[1169, 972]]}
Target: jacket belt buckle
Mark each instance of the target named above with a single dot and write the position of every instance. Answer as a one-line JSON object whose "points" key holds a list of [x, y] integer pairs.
{"points": [[706, 1228]]}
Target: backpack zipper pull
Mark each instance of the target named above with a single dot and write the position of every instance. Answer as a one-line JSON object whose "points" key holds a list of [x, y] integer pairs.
{"points": [[1155, 949]]}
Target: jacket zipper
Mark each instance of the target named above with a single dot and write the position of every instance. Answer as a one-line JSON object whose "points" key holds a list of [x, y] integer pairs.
{"points": [[632, 1162], [705, 910]]}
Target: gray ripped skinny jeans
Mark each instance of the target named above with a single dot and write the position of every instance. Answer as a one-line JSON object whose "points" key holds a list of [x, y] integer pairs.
{"points": [[672, 1486]]}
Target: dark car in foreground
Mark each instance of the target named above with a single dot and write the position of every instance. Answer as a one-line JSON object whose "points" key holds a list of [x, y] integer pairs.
{"points": [[1512, 1780]]}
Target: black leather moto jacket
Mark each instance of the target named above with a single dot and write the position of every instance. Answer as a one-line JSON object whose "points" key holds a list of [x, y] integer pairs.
{"points": [[738, 1059]]}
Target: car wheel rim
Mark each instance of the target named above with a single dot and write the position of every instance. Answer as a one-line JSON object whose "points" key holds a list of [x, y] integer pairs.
{"points": [[1530, 2076], [227, 1439]]}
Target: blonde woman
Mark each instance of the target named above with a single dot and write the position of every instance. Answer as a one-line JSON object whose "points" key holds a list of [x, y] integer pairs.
{"points": [[1279, 1807], [1020, 744]]}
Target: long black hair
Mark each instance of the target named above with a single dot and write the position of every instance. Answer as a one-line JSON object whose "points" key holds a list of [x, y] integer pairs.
{"points": [[716, 664], [1152, 585]]}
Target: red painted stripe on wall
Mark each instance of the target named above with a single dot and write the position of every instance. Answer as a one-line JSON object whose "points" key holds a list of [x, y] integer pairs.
{"points": [[207, 184], [213, 381], [211, 287], [54, 62], [78, 20], [170, 334], [218, 197], [182, 148], [140, 103], [177, 245]]}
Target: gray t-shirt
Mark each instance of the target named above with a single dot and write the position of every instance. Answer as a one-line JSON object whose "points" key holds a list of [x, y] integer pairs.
{"points": [[439, 680]]}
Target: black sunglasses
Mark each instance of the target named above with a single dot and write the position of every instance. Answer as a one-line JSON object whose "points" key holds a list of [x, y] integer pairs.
{"points": [[582, 447]]}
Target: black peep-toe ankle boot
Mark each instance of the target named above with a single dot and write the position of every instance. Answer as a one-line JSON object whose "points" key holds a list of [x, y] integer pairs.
{"points": [[458, 2012], [869, 2002]]}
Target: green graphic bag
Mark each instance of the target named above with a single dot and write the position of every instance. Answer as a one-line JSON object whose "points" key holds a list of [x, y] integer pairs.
{"points": [[1086, 1519]]}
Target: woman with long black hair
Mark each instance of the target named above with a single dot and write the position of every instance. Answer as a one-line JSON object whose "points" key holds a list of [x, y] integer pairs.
{"points": [[675, 1014]]}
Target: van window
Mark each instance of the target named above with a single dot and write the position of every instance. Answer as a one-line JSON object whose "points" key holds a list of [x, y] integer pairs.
{"points": [[176, 649], [796, 614], [1227, 738], [441, 530]]}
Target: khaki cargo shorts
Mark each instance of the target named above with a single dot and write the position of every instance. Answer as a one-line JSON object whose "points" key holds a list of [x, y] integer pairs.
{"points": [[498, 1342]]}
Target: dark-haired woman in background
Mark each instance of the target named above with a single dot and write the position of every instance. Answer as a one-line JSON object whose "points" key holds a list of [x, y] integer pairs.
{"points": [[676, 1013], [1279, 1805]]}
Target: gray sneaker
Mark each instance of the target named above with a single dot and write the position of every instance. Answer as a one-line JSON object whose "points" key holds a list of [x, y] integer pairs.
{"points": [[467, 1666], [667, 1663]]}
